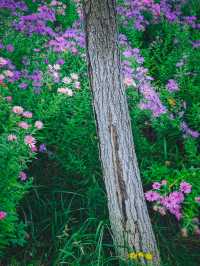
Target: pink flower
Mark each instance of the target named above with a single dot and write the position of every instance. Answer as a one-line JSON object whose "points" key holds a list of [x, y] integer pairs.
{"points": [[74, 76], [162, 210], [27, 114], [39, 124], [3, 62], [12, 137], [156, 185], [2, 77], [30, 140], [33, 148], [61, 90], [54, 3], [129, 82], [197, 199], [2, 215], [178, 215], [177, 197], [22, 176], [9, 98], [185, 187], [152, 196], [67, 91], [18, 110], [164, 182], [66, 80], [8, 73], [23, 125], [168, 202]]}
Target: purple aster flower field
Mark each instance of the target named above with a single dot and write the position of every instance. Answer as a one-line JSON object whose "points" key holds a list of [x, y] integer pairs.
{"points": [[53, 204]]}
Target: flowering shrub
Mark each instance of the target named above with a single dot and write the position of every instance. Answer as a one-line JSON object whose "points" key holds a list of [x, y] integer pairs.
{"points": [[17, 148]]}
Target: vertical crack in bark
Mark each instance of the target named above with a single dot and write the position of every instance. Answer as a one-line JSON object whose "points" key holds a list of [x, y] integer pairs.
{"points": [[119, 171]]}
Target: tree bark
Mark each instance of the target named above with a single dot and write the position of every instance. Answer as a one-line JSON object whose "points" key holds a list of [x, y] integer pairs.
{"points": [[130, 223]]}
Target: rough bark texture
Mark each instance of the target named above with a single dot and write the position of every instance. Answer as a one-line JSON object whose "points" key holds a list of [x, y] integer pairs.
{"points": [[129, 217]]}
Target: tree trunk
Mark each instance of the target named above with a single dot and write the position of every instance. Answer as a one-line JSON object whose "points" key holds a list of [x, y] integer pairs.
{"points": [[130, 223]]}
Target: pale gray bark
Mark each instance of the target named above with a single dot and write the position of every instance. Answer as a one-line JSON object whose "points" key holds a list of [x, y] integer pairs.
{"points": [[129, 217]]}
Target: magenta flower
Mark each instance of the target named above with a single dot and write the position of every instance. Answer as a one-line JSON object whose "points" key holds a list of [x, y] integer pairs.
{"points": [[23, 125], [156, 185], [168, 202], [10, 48], [152, 196], [22, 176], [2, 215], [177, 197], [185, 187]]}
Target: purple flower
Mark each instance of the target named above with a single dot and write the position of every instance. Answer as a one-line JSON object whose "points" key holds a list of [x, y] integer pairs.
{"points": [[188, 131], [23, 85], [156, 185], [1, 46], [152, 196], [60, 61], [10, 48], [42, 148], [23, 176], [196, 44], [127, 53], [172, 85], [185, 187]]}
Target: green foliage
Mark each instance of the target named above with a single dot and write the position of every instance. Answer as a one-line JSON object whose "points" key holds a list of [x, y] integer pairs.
{"points": [[13, 159]]}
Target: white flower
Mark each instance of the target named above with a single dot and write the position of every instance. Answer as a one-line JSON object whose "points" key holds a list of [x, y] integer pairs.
{"points": [[66, 80], [74, 76], [56, 67]]}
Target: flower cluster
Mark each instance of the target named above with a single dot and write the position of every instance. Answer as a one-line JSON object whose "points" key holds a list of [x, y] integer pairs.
{"points": [[72, 82], [137, 73], [165, 198], [72, 40], [58, 6], [13, 5], [134, 10], [37, 22], [29, 140], [8, 70], [137, 255]]}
